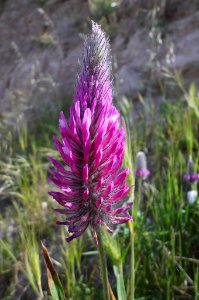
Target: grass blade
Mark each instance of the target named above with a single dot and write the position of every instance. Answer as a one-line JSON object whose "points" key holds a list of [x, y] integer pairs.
{"points": [[54, 282]]}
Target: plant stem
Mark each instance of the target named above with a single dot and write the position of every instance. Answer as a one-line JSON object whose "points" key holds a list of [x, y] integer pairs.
{"points": [[132, 239], [132, 279], [103, 266], [136, 208], [139, 201]]}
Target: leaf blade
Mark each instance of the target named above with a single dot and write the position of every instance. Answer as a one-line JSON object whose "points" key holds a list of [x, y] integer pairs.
{"points": [[54, 283]]}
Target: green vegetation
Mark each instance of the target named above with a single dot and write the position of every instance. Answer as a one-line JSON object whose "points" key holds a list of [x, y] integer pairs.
{"points": [[103, 9], [165, 229]]}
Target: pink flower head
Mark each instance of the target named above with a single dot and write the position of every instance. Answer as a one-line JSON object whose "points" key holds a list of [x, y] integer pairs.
{"points": [[141, 165], [191, 175], [93, 187]]}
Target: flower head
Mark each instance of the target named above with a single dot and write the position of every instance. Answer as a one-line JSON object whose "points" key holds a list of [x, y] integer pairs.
{"points": [[191, 175], [141, 165], [192, 196], [93, 187]]}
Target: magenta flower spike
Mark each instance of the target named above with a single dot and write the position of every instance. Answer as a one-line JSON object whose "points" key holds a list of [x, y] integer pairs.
{"points": [[93, 187]]}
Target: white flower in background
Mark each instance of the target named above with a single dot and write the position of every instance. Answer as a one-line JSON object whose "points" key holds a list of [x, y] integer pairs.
{"points": [[191, 196], [44, 205]]}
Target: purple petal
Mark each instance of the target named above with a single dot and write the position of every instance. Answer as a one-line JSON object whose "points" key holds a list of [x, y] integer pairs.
{"points": [[121, 177], [85, 174], [86, 122]]}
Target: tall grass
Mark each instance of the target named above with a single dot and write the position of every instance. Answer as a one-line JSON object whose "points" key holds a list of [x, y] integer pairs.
{"points": [[165, 233]]}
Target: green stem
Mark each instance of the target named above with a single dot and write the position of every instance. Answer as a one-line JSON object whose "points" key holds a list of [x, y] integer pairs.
{"points": [[135, 209], [139, 202], [103, 265], [132, 282], [132, 239]]}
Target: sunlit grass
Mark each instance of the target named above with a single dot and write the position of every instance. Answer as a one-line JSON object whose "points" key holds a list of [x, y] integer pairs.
{"points": [[166, 226]]}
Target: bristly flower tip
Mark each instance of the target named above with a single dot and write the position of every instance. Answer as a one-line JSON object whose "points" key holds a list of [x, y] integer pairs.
{"points": [[93, 187]]}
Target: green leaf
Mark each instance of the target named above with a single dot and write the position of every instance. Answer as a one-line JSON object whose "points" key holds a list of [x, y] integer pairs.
{"points": [[193, 100], [54, 283], [6, 247], [121, 293], [112, 247]]}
